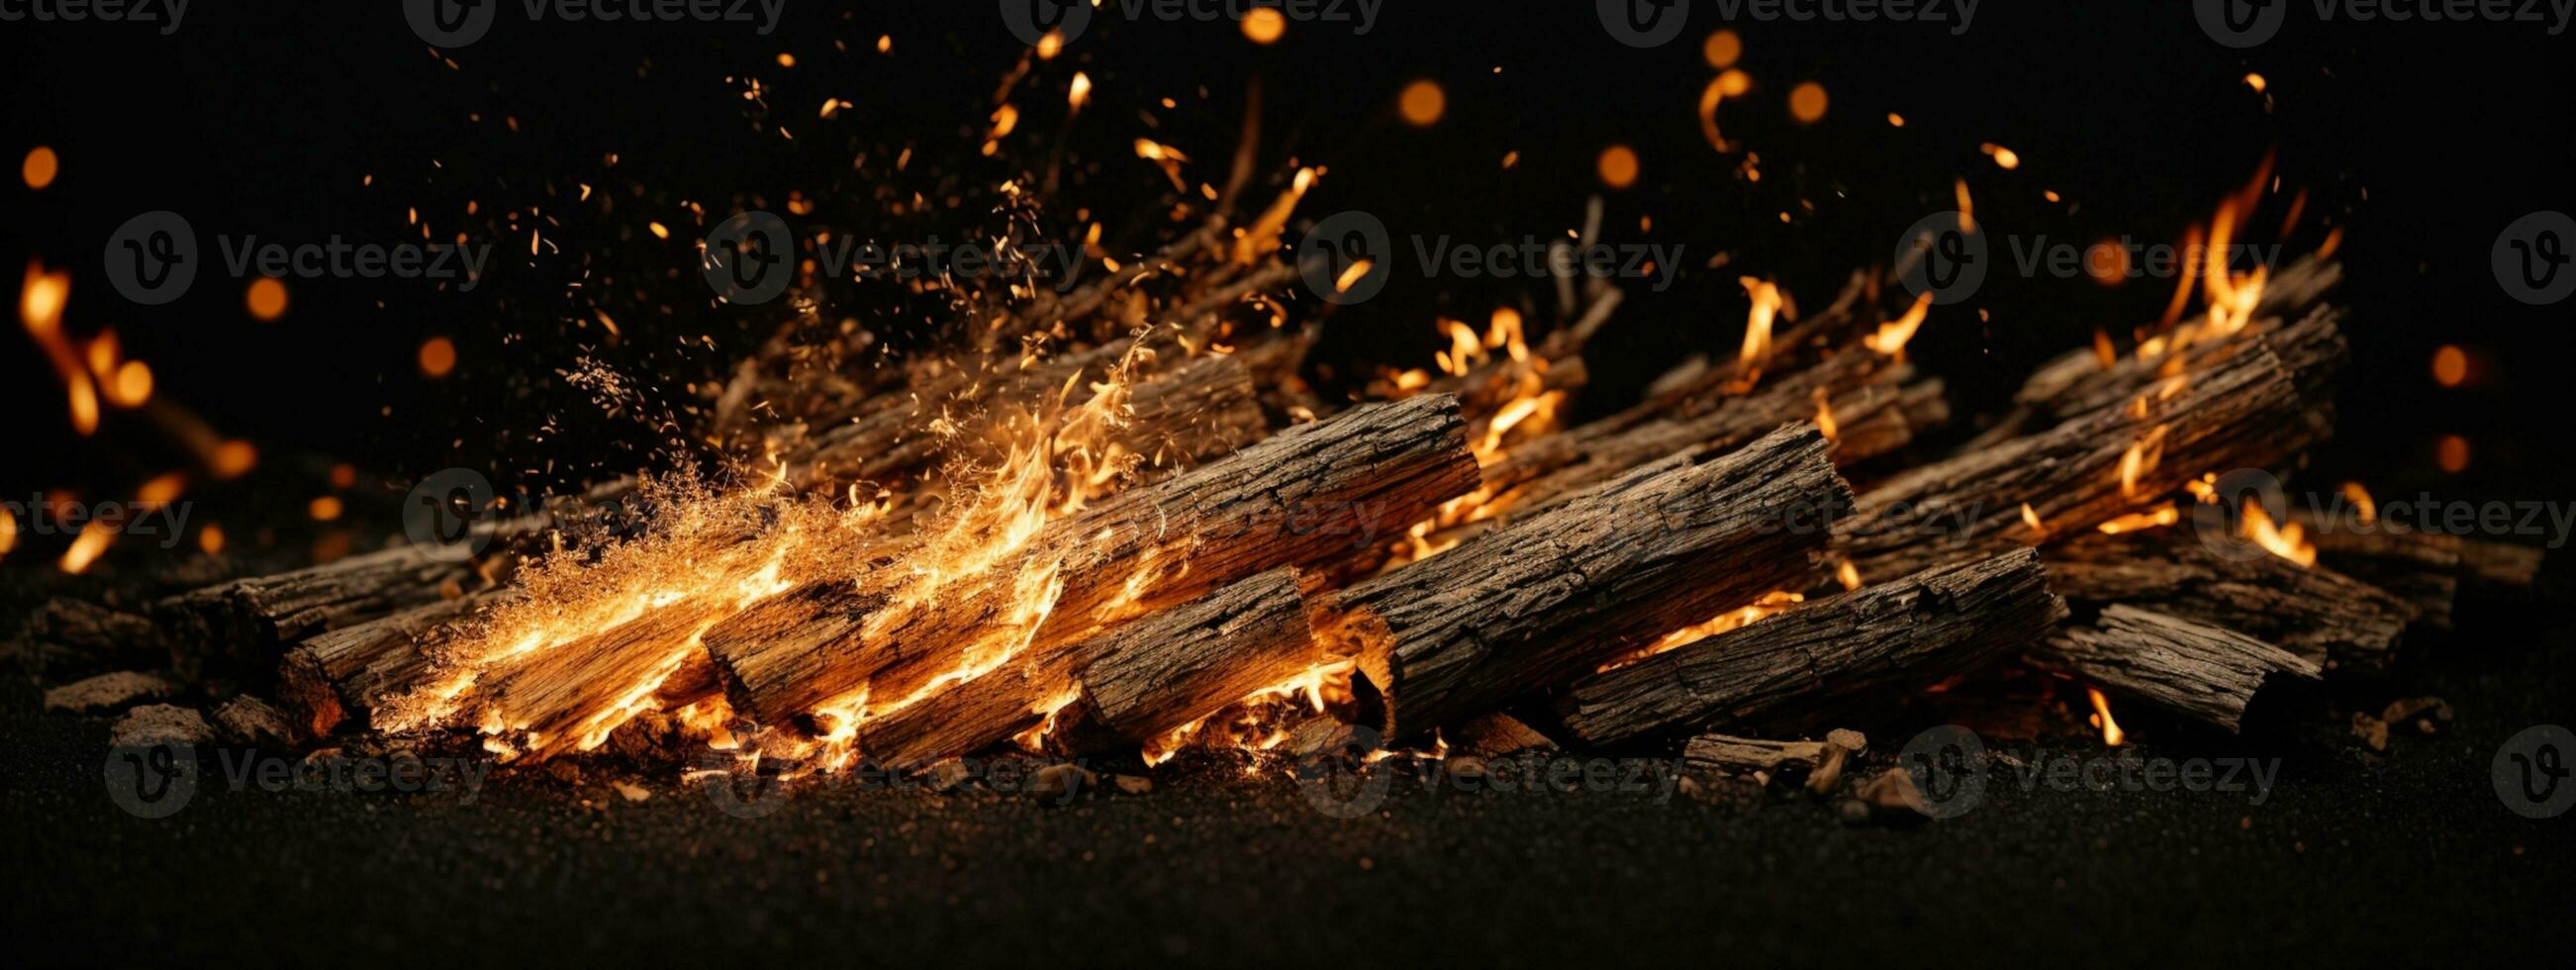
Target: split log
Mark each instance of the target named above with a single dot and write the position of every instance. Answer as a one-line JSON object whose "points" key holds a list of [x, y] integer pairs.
{"points": [[2325, 618], [1608, 572], [1137, 687], [244, 624], [1824, 655], [1304, 496], [2426, 568], [350, 671], [1714, 753], [2205, 672], [2254, 408], [1132, 683]]}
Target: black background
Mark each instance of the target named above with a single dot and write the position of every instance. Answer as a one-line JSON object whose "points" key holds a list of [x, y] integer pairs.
{"points": [[2422, 140]]}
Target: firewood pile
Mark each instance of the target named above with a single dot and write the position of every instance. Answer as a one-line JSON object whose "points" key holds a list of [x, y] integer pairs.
{"points": [[1120, 523]]}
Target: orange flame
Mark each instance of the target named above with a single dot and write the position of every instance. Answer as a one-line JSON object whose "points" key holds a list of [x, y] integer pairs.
{"points": [[1891, 336], [2112, 736], [40, 308], [2288, 541]]}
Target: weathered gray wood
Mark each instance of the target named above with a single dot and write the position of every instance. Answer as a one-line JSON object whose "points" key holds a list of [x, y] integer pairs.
{"points": [[1713, 753], [2208, 673], [1609, 571], [1821, 655], [2330, 620]]}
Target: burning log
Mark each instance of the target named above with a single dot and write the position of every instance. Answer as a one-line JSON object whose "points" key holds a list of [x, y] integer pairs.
{"points": [[1298, 499], [2427, 569], [350, 671], [1202, 407], [1607, 572], [1140, 684], [1131, 683], [244, 624], [2254, 408], [1820, 656], [2325, 618], [2078, 383], [2208, 673]]}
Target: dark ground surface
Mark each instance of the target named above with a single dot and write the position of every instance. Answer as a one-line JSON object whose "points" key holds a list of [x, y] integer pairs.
{"points": [[2402, 859]]}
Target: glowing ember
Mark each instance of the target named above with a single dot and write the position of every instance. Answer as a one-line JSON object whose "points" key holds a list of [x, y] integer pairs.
{"points": [[1617, 166], [39, 167], [2158, 517], [1735, 619], [1422, 103]]}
